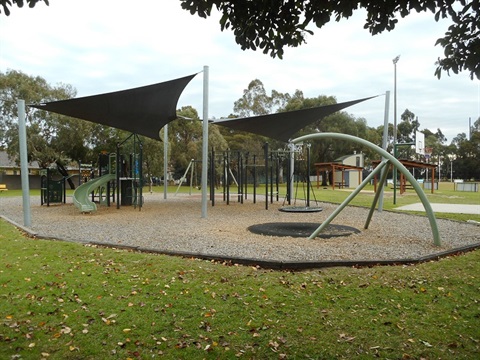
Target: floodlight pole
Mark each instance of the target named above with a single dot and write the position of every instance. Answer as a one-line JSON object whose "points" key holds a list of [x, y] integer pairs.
{"points": [[395, 126], [22, 138], [205, 143]]}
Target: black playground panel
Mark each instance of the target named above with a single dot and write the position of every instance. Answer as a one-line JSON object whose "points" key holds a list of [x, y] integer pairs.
{"points": [[52, 191], [129, 172], [303, 164], [234, 171]]}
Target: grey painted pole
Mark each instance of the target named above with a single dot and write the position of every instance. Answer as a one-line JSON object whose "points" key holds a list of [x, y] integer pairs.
{"points": [[205, 143], [384, 145], [22, 136], [165, 161], [395, 127], [397, 164]]}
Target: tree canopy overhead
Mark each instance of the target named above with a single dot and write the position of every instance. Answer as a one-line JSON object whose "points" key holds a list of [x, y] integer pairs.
{"points": [[8, 3], [271, 25]]}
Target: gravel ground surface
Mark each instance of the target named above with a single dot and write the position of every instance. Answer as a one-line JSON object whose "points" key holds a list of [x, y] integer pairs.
{"points": [[175, 225]]}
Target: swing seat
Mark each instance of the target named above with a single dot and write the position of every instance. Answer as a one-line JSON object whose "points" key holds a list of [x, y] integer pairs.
{"points": [[300, 209]]}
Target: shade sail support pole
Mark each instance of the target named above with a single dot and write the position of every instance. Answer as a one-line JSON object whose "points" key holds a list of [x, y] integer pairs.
{"points": [[384, 143], [205, 143], [22, 138], [165, 161]]}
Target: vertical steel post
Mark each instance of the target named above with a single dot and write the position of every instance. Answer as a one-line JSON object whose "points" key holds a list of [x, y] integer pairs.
{"points": [[308, 175], [205, 143], [292, 172], [277, 176], [118, 173], [395, 127], [265, 153], [246, 176], [254, 179], [212, 177], [227, 174], [22, 138], [165, 161], [384, 144], [271, 177]]}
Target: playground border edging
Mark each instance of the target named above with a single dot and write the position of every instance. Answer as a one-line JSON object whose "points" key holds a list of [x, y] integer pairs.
{"points": [[267, 264]]}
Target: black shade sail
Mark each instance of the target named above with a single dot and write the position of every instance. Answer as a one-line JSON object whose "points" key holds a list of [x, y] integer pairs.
{"points": [[143, 110], [282, 126]]}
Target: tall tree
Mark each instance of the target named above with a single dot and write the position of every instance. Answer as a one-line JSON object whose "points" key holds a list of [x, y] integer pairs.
{"points": [[50, 137], [271, 25], [184, 135], [42, 128], [340, 122], [467, 161], [255, 100], [407, 127]]}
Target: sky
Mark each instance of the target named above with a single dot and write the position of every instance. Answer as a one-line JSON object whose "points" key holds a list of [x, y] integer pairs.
{"points": [[110, 45]]}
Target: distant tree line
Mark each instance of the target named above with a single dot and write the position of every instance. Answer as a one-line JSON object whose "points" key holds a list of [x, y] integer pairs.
{"points": [[56, 138]]}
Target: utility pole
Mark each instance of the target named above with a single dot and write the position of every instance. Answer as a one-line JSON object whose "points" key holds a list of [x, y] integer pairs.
{"points": [[395, 126]]}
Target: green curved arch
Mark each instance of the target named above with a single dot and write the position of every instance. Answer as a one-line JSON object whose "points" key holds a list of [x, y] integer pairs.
{"points": [[394, 162]]}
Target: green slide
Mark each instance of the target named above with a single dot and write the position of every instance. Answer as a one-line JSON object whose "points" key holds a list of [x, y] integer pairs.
{"points": [[81, 195]]}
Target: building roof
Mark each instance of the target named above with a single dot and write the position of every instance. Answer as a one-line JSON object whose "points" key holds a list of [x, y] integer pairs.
{"points": [[8, 163]]}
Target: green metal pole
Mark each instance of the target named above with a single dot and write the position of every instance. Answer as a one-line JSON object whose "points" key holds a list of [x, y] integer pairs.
{"points": [[395, 163], [346, 202], [378, 194]]}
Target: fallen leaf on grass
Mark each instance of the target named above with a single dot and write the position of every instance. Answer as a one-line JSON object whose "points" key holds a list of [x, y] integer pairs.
{"points": [[344, 337], [427, 344], [273, 345], [66, 330]]}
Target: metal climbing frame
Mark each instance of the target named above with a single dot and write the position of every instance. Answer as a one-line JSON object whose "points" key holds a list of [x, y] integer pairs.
{"points": [[388, 159]]}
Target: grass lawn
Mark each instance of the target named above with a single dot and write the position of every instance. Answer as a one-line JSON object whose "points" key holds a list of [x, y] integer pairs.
{"points": [[64, 300]]}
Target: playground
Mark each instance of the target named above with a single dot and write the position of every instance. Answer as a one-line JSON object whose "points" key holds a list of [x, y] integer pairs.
{"points": [[339, 235], [172, 226]]}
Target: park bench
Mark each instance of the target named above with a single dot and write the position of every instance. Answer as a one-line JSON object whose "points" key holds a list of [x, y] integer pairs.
{"points": [[3, 187]]}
